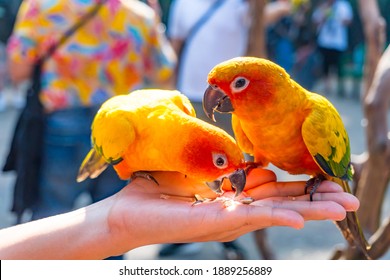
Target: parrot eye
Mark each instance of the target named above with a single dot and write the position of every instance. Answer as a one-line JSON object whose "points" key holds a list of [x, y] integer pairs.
{"points": [[239, 84], [220, 160]]}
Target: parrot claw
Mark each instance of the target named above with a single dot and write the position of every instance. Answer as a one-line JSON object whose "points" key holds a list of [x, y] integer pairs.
{"points": [[145, 175], [313, 184], [249, 166]]}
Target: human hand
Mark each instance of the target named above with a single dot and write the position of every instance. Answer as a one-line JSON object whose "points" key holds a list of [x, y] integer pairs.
{"points": [[141, 216]]}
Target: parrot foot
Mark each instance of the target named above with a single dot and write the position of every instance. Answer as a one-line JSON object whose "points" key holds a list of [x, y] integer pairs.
{"points": [[249, 166], [145, 175], [313, 184]]}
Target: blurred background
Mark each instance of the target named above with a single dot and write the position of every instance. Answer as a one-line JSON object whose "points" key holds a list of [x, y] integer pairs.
{"points": [[292, 40]]}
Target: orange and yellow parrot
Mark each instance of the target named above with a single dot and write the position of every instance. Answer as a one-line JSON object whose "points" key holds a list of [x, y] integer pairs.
{"points": [[279, 122], [157, 130]]}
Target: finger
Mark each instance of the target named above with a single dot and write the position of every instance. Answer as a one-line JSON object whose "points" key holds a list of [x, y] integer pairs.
{"points": [[256, 217], [280, 189], [259, 176], [248, 217], [348, 201], [219, 223], [286, 217], [310, 210], [329, 186], [256, 177]]}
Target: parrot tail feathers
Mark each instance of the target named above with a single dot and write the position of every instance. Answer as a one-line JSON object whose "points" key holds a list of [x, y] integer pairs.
{"points": [[92, 166], [350, 226], [352, 232]]}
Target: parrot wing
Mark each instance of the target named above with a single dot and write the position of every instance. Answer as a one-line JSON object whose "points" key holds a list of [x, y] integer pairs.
{"points": [[113, 128], [241, 138], [327, 140], [112, 133], [184, 104], [92, 166]]}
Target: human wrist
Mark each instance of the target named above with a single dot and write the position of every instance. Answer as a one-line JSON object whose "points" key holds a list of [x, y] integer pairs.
{"points": [[98, 234], [85, 232]]}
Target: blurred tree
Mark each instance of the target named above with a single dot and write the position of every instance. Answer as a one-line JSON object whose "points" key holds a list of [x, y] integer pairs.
{"points": [[256, 45], [374, 27], [372, 170]]}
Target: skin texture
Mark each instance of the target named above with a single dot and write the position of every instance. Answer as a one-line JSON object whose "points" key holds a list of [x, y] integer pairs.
{"points": [[156, 130], [126, 220]]}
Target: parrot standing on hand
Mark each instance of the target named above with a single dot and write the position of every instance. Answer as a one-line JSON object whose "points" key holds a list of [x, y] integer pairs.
{"points": [[279, 122], [157, 130]]}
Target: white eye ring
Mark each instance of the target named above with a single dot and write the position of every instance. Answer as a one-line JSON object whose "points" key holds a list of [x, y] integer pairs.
{"points": [[239, 84], [220, 160]]}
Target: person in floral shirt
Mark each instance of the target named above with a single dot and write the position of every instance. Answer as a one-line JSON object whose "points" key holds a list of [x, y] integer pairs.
{"points": [[120, 49]]}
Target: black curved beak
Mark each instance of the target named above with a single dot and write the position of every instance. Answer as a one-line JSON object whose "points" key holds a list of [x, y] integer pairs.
{"points": [[216, 100], [237, 179], [216, 186]]}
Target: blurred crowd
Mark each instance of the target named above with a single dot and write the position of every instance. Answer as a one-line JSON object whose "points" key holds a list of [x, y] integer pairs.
{"points": [[291, 41], [132, 44]]}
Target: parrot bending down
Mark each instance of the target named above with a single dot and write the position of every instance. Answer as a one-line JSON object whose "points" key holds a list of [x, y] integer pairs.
{"points": [[157, 130], [279, 122]]}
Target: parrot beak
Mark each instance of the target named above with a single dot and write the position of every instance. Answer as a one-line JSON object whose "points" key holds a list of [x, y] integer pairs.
{"points": [[216, 100], [216, 186], [237, 179]]}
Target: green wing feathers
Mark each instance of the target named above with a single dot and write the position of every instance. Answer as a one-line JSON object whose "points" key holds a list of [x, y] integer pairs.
{"points": [[112, 133], [93, 165], [327, 141]]}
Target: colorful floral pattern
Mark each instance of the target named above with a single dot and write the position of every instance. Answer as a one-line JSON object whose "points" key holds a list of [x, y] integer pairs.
{"points": [[118, 50]]}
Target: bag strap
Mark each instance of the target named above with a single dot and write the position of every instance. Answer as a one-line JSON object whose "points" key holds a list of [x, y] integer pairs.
{"points": [[196, 27], [68, 33]]}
